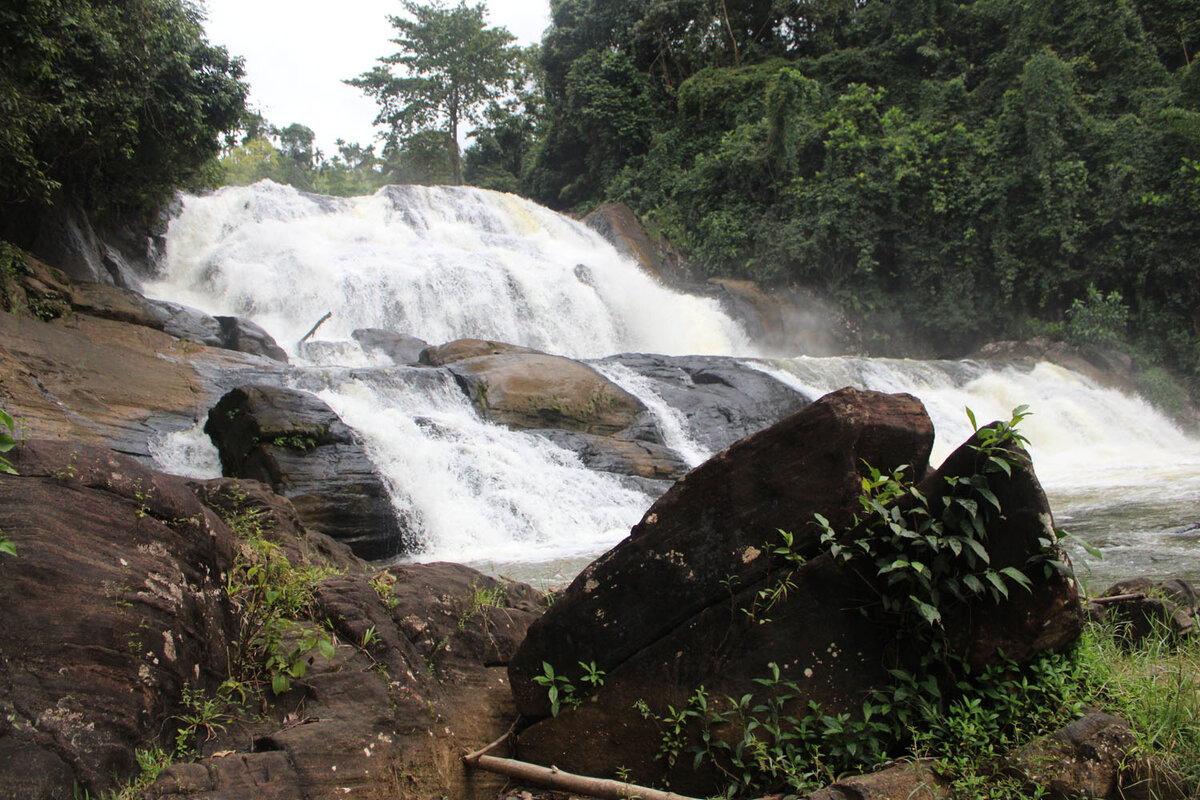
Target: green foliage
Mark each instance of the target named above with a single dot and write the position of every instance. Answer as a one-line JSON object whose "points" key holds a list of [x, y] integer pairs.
{"points": [[562, 692], [942, 172], [1152, 684], [151, 762], [7, 443], [481, 597], [278, 635], [111, 103], [452, 65], [1100, 319]]}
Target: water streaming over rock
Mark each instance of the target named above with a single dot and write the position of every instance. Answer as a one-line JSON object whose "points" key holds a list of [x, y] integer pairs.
{"points": [[443, 264]]}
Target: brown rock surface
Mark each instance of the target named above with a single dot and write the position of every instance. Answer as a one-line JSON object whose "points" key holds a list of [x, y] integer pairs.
{"points": [[117, 600], [114, 602], [443, 354], [534, 390]]}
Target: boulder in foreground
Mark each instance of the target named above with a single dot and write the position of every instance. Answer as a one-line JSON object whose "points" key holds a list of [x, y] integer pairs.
{"points": [[702, 594]]}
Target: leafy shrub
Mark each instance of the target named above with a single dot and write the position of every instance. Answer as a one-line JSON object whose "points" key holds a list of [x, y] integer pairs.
{"points": [[1099, 319]]}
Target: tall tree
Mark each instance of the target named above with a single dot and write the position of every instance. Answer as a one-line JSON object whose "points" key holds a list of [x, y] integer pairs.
{"points": [[453, 64]]}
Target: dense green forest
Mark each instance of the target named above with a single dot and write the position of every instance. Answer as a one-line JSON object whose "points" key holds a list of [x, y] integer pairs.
{"points": [[108, 104], [943, 173]]}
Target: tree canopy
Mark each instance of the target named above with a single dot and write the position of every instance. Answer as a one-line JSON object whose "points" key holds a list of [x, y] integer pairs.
{"points": [[452, 65], [111, 103], [944, 172]]}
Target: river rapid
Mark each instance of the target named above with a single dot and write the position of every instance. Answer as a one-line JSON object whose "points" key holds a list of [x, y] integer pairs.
{"points": [[445, 263]]}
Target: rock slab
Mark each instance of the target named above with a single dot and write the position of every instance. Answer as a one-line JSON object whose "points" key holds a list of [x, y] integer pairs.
{"points": [[295, 443]]}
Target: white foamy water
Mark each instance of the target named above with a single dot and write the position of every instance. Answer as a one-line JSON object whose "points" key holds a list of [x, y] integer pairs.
{"points": [[449, 263], [672, 423], [1118, 472], [438, 263]]}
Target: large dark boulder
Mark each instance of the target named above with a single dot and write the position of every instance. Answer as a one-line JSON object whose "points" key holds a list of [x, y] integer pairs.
{"points": [[693, 597], [295, 443]]}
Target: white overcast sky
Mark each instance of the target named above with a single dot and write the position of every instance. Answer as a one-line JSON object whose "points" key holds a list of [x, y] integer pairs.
{"points": [[298, 52]]}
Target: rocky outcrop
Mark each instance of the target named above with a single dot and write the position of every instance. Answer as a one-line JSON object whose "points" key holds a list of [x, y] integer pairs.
{"points": [[1094, 757], [1104, 365], [721, 399], [682, 602], [1139, 608], [623, 456], [621, 228], [534, 390], [114, 602], [460, 349], [399, 347], [126, 305], [118, 599], [916, 781], [293, 441]]}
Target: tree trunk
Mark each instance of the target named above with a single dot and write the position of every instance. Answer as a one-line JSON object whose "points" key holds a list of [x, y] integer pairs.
{"points": [[455, 154]]}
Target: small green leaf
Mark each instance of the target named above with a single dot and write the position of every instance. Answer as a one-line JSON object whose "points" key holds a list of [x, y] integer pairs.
{"points": [[280, 683], [979, 549], [1017, 576], [326, 647]]}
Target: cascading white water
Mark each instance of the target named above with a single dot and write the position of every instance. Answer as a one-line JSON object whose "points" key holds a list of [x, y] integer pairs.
{"points": [[442, 263], [1117, 472], [434, 262]]}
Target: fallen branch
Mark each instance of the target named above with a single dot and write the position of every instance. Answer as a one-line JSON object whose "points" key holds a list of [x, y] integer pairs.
{"points": [[1117, 598], [554, 778], [312, 330]]}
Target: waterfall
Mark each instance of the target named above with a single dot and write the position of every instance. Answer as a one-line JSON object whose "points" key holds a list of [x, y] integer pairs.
{"points": [[446, 263], [438, 263]]}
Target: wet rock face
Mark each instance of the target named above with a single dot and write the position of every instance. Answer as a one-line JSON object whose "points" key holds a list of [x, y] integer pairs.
{"points": [[296, 444], [113, 603], [117, 599], [535, 390], [679, 604], [722, 400], [400, 348]]}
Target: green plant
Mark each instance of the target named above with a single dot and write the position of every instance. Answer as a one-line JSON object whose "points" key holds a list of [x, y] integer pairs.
{"points": [[203, 714], [274, 597], [7, 443], [151, 761], [1099, 319], [562, 692], [559, 689], [296, 441], [481, 597], [384, 584]]}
